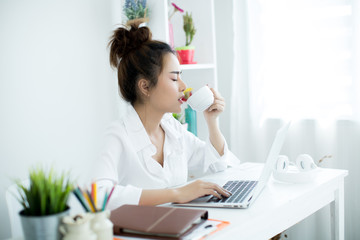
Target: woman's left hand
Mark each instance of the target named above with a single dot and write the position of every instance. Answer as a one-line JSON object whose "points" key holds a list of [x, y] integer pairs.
{"points": [[216, 108]]}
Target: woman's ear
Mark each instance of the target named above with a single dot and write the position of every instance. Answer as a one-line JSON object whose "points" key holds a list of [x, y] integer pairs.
{"points": [[144, 87]]}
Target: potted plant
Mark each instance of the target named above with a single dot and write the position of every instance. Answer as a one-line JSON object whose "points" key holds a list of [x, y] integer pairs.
{"points": [[136, 11], [44, 203], [186, 53]]}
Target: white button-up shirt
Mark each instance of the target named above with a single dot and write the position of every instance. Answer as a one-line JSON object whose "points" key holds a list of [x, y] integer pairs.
{"points": [[127, 159]]}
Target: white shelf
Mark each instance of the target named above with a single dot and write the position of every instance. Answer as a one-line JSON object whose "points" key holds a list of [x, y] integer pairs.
{"points": [[194, 75], [196, 66]]}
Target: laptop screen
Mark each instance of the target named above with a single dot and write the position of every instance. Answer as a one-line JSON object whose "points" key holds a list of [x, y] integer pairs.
{"points": [[272, 156]]}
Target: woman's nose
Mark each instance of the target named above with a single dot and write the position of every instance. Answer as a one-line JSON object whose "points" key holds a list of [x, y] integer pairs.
{"points": [[182, 85]]}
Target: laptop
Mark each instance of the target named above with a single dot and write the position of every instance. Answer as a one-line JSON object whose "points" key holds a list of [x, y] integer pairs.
{"points": [[244, 192]]}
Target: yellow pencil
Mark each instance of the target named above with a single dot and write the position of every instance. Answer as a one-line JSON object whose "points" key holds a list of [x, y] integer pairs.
{"points": [[89, 201]]}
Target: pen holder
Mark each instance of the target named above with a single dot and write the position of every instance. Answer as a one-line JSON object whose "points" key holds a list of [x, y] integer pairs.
{"points": [[101, 225]]}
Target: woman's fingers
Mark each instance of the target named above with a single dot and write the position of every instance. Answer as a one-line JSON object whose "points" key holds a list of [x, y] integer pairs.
{"points": [[218, 104], [223, 192], [218, 107], [217, 95], [216, 194], [200, 188], [219, 190]]}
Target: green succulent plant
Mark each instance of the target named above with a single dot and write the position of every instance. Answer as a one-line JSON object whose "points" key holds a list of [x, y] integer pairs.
{"points": [[47, 193], [189, 28]]}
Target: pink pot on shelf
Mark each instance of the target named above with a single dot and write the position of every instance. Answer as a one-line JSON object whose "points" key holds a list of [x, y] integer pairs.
{"points": [[186, 56]]}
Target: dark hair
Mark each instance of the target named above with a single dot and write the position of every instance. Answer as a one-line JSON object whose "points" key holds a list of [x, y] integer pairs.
{"points": [[136, 56]]}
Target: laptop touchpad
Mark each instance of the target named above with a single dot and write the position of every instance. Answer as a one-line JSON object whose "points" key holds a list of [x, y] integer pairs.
{"points": [[202, 199]]}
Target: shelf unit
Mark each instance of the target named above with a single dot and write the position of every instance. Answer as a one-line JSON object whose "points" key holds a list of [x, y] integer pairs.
{"points": [[205, 71]]}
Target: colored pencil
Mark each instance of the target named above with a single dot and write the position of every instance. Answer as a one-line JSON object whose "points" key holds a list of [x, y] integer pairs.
{"points": [[81, 199], [81, 194], [112, 190], [104, 202], [91, 200], [94, 193], [87, 197]]}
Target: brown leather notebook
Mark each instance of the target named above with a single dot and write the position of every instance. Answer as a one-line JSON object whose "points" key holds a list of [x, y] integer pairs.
{"points": [[155, 220]]}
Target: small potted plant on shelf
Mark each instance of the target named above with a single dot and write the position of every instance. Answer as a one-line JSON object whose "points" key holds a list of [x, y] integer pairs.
{"points": [[136, 11], [186, 53], [44, 203]]}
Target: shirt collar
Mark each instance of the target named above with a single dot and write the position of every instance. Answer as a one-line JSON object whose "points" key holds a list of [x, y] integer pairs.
{"points": [[170, 130], [137, 133]]}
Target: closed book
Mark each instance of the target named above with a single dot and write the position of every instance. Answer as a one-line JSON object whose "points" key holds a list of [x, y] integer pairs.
{"points": [[156, 220]]}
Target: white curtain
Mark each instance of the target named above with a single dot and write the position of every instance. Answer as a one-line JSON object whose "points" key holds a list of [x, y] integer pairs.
{"points": [[297, 60]]}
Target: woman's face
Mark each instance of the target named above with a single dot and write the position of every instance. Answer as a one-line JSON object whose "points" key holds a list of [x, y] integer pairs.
{"points": [[166, 95]]}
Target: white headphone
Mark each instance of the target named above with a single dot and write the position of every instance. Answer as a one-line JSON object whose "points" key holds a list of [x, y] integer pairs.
{"points": [[300, 172]]}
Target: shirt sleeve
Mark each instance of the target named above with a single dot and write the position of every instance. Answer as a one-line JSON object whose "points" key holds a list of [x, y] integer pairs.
{"points": [[109, 169]]}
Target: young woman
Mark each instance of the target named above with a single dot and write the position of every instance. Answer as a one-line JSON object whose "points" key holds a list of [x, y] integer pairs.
{"points": [[148, 154]]}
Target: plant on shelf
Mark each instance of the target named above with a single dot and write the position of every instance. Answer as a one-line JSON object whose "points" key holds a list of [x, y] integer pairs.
{"points": [[180, 117], [136, 11], [44, 203], [171, 31], [189, 28], [186, 53], [176, 9]]}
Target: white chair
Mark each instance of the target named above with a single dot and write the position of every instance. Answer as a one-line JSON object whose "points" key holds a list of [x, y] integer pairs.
{"points": [[14, 207]]}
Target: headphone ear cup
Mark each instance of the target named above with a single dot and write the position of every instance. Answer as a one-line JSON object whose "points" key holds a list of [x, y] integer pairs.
{"points": [[305, 162], [282, 163]]}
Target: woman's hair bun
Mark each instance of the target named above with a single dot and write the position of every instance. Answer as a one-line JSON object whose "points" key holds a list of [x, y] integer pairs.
{"points": [[126, 39]]}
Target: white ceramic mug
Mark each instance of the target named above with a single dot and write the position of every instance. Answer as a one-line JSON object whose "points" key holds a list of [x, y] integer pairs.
{"points": [[202, 99]]}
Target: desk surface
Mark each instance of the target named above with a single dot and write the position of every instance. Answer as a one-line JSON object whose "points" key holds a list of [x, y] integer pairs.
{"points": [[278, 207]]}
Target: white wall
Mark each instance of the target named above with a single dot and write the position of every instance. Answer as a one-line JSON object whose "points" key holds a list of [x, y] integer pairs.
{"points": [[57, 90], [224, 53]]}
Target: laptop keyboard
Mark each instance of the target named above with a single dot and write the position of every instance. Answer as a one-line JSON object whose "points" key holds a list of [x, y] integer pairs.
{"points": [[239, 190]]}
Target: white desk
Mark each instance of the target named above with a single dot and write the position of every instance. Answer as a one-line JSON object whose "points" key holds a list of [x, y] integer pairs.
{"points": [[281, 205]]}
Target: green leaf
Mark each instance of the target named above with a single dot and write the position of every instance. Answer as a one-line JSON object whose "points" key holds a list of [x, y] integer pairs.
{"points": [[47, 193], [189, 28], [135, 11]]}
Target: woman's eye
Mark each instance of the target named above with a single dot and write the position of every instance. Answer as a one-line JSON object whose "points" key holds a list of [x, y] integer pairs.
{"points": [[174, 79]]}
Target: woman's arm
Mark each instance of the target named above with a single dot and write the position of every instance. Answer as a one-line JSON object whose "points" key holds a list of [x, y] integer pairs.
{"points": [[182, 194], [211, 117]]}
